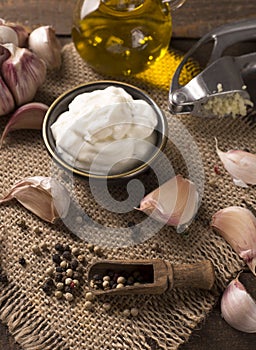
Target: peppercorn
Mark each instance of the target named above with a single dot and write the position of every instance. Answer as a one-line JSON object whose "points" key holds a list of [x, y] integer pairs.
{"points": [[69, 273], [59, 269], [89, 296], [59, 247], [121, 280], [37, 230], [43, 246], [68, 281], [58, 277], [50, 282], [90, 247], [22, 224], [56, 258], [63, 264], [68, 289], [22, 262], [69, 296], [120, 285], [50, 271], [75, 251], [74, 264], [67, 248], [47, 290], [106, 306], [77, 276], [97, 250], [126, 312], [60, 286], [3, 278], [134, 312], [67, 255], [58, 294], [88, 305]]}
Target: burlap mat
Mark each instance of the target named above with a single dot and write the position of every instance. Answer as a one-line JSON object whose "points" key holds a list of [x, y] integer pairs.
{"points": [[38, 321]]}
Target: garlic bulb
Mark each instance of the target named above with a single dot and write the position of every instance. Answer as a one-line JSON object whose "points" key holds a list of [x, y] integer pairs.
{"points": [[28, 116], [238, 308], [45, 44], [241, 166], [174, 203], [237, 225], [23, 72], [43, 196]]}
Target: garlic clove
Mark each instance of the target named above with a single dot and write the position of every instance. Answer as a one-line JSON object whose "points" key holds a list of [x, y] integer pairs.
{"points": [[237, 225], [7, 103], [46, 45], [23, 73], [8, 35], [21, 32], [28, 116], [43, 196], [238, 308], [174, 203], [240, 165]]}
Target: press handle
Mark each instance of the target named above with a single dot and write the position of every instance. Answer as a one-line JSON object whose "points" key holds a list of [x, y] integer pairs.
{"points": [[198, 275]]}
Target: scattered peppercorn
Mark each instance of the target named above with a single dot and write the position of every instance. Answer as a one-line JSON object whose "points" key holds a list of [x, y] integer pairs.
{"points": [[134, 312], [37, 230], [69, 296], [22, 224], [3, 278], [67, 255], [88, 305], [22, 262], [56, 258], [59, 247], [36, 250], [74, 264]]}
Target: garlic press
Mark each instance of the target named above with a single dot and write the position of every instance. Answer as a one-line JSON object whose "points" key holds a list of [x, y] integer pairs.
{"points": [[224, 76]]}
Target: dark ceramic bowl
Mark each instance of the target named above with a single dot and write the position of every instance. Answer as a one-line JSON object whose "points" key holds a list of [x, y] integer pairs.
{"points": [[60, 105]]}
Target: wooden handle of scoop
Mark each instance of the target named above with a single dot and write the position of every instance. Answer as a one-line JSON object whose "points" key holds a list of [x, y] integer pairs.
{"points": [[197, 275]]}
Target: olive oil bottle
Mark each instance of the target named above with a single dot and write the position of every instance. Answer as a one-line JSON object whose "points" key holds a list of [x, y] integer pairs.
{"points": [[122, 37]]}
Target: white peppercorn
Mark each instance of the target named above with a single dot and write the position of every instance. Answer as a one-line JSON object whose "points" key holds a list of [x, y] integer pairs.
{"points": [[68, 281], [76, 283], [134, 311], [58, 294], [89, 296], [126, 312], [121, 280], [63, 264], [75, 251], [120, 285], [69, 296], [60, 286], [106, 278], [49, 271], [105, 284], [106, 306], [88, 305], [69, 272]]}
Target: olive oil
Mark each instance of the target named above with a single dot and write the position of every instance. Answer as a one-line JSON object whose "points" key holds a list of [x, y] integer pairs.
{"points": [[122, 37]]}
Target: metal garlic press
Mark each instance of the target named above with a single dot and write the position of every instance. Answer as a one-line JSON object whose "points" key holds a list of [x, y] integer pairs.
{"points": [[223, 75]]}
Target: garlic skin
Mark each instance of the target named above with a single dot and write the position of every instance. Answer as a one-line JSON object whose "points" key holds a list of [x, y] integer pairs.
{"points": [[23, 73], [28, 116], [240, 165], [238, 308], [175, 203], [45, 44], [237, 225], [43, 196], [7, 103]]}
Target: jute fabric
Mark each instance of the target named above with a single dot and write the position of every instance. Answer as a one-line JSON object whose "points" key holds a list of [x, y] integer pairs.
{"points": [[38, 321]]}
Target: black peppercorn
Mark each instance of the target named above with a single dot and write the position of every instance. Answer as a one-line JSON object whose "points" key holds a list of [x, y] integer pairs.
{"points": [[59, 247], [56, 258], [59, 269], [68, 289], [3, 278], [74, 264], [47, 289], [67, 255], [67, 248], [50, 283], [58, 277], [22, 261]]}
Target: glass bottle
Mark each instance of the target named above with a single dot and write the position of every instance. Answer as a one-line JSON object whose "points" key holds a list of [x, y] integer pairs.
{"points": [[122, 37]]}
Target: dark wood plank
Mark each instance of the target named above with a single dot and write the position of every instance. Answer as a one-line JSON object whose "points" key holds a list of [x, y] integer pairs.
{"points": [[192, 20]]}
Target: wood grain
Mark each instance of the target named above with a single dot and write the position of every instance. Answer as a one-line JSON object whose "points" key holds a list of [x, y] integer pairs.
{"points": [[192, 20]]}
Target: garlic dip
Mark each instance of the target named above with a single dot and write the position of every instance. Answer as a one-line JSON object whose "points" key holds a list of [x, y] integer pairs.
{"points": [[105, 131]]}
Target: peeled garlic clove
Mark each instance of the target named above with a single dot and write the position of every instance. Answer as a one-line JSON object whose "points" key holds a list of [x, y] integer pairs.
{"points": [[28, 116], [241, 166], [8, 35], [43, 196], [174, 203], [46, 45], [23, 73], [238, 308], [237, 226]]}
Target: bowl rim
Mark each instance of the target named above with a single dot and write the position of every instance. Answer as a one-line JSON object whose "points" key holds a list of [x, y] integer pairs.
{"points": [[86, 174]]}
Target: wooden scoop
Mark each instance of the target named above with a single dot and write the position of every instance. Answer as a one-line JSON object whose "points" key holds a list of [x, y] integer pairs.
{"points": [[158, 275]]}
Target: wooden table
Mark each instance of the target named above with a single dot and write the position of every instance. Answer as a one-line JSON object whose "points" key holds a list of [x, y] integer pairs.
{"points": [[190, 22]]}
